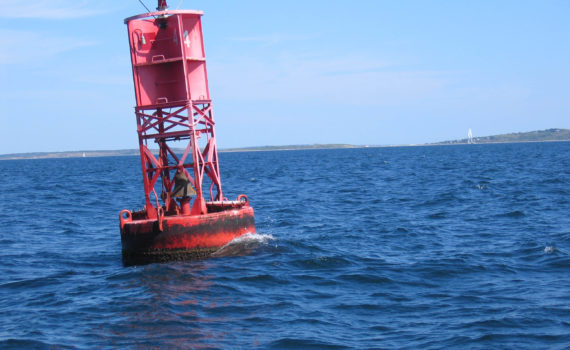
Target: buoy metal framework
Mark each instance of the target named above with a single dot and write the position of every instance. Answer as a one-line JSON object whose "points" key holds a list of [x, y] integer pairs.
{"points": [[173, 107]]}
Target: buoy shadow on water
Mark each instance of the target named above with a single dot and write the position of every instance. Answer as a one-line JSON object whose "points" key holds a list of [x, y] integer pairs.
{"points": [[243, 245]]}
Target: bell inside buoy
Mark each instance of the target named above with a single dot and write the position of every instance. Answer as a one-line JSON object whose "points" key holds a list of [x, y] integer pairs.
{"points": [[182, 186]]}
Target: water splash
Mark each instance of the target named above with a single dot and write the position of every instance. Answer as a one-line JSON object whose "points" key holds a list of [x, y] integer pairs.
{"points": [[549, 249], [243, 245]]}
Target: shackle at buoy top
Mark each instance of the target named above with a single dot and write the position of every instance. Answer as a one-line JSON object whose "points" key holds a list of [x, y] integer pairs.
{"points": [[162, 6]]}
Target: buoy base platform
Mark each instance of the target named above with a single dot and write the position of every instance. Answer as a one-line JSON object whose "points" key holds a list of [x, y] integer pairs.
{"points": [[183, 237]]}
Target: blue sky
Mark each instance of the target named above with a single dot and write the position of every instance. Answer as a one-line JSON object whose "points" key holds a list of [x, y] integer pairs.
{"points": [[294, 72]]}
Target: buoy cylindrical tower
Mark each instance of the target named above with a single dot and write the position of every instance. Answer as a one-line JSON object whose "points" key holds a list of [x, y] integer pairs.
{"points": [[177, 143]]}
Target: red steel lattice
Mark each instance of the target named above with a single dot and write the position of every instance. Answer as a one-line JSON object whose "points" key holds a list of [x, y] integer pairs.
{"points": [[173, 106]]}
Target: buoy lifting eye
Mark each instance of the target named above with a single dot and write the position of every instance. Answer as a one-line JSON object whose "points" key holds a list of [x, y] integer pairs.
{"points": [[243, 199]]}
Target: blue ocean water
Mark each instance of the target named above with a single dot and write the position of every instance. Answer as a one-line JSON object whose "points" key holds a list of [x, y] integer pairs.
{"points": [[374, 248]]}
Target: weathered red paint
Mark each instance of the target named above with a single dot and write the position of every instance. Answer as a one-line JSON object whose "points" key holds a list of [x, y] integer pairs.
{"points": [[187, 232], [174, 105], [185, 237]]}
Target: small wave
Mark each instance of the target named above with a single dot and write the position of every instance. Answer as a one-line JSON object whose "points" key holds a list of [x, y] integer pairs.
{"points": [[30, 344], [439, 200], [556, 180], [243, 245], [512, 214], [549, 249], [296, 343], [438, 215], [322, 262]]}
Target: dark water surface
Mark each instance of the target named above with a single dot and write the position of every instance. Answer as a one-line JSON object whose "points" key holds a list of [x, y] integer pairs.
{"points": [[415, 247]]}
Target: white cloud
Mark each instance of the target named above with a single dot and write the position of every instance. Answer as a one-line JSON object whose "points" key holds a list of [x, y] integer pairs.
{"points": [[21, 47], [347, 80], [359, 79], [51, 9]]}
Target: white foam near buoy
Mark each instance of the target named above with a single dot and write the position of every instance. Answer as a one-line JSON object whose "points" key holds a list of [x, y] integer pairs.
{"points": [[243, 245]]}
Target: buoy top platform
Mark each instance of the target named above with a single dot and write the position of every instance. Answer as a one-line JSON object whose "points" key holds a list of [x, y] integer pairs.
{"points": [[185, 214]]}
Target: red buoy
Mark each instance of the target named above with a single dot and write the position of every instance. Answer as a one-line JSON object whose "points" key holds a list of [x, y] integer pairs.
{"points": [[173, 108]]}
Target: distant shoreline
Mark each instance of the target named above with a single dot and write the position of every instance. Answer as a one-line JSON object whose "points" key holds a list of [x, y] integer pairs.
{"points": [[550, 135]]}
